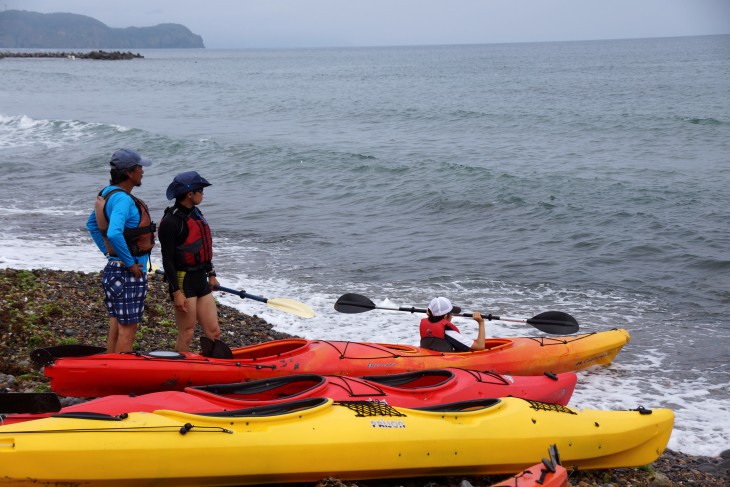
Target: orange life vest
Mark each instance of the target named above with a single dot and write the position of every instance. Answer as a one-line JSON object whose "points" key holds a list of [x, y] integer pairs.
{"points": [[140, 240], [433, 335]]}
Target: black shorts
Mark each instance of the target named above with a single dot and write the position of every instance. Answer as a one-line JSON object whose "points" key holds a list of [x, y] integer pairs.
{"points": [[194, 284]]}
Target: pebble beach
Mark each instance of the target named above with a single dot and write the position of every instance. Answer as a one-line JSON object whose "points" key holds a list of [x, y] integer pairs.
{"points": [[44, 308]]}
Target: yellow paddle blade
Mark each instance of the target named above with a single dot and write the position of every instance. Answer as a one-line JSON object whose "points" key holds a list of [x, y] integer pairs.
{"points": [[291, 306]]}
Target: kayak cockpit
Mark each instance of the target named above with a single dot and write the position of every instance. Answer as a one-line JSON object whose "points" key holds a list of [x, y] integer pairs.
{"points": [[414, 380], [269, 349], [276, 388], [492, 344]]}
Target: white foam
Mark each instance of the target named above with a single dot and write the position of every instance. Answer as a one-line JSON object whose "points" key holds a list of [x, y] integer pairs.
{"points": [[702, 420]]}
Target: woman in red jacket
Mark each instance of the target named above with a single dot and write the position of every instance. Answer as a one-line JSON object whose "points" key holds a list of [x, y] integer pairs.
{"points": [[187, 257]]}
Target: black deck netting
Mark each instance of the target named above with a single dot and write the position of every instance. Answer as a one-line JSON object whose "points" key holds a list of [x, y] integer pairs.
{"points": [[545, 406], [370, 408]]}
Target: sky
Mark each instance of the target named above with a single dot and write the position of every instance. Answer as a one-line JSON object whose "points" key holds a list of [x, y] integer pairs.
{"points": [[235, 24]]}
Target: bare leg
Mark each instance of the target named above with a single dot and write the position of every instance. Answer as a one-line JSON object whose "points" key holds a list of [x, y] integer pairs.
{"points": [[125, 341], [208, 316], [186, 325], [111, 340]]}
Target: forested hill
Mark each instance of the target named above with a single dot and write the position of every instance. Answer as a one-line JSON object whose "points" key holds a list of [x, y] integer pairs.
{"points": [[23, 29]]}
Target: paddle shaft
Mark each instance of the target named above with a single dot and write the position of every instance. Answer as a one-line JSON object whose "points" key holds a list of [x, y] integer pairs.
{"points": [[242, 294], [488, 317]]}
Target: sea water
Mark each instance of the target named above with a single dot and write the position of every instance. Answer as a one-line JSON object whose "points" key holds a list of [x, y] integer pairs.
{"points": [[586, 177]]}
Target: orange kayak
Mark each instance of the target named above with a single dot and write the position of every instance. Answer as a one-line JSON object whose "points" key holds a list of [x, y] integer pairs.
{"points": [[140, 372]]}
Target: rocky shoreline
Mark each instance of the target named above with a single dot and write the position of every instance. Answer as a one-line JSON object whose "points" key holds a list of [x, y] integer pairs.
{"points": [[42, 308], [95, 55]]}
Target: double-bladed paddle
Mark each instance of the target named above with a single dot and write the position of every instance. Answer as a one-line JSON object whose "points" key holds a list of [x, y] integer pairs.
{"points": [[282, 304], [29, 402], [553, 322], [45, 356]]}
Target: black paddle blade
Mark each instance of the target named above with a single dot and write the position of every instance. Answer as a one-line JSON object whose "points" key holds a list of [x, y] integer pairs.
{"points": [[353, 303], [45, 356], [554, 322], [29, 402]]}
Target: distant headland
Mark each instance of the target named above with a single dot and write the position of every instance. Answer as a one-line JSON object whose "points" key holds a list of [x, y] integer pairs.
{"points": [[20, 29]]}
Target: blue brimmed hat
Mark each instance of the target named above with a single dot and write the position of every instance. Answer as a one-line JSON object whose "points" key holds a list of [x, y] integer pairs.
{"points": [[184, 183]]}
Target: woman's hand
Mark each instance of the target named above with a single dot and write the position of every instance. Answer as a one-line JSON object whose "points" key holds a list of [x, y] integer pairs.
{"points": [[181, 302]]}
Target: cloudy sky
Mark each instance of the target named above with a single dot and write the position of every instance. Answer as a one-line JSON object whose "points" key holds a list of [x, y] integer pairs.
{"points": [[319, 23]]}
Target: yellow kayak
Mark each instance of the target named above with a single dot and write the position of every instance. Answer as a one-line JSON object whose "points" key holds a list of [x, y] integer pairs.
{"points": [[308, 440]]}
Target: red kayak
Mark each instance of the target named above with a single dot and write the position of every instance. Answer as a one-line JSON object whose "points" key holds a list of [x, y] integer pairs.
{"points": [[140, 373], [410, 390]]}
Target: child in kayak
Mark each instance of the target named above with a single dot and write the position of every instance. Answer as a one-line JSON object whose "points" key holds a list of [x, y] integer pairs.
{"points": [[439, 334]]}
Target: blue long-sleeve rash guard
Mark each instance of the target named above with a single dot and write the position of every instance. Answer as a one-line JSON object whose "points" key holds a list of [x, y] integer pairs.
{"points": [[123, 213]]}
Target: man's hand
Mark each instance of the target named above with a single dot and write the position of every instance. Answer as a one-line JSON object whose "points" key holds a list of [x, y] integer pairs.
{"points": [[136, 270]]}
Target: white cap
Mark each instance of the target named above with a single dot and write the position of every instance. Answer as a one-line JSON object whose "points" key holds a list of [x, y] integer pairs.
{"points": [[442, 306]]}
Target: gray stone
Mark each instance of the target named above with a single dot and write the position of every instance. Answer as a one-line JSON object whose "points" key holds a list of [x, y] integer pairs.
{"points": [[6, 381], [660, 480]]}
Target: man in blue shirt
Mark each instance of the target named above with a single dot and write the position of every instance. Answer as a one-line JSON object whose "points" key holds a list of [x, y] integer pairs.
{"points": [[123, 230]]}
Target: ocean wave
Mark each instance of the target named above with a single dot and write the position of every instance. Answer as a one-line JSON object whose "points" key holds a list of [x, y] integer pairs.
{"points": [[704, 121], [22, 131], [15, 212]]}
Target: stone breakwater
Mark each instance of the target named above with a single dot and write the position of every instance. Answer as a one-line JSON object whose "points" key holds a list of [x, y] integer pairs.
{"points": [[41, 308], [96, 55]]}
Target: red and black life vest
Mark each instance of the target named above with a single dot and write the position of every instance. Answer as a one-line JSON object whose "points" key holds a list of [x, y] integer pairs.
{"points": [[140, 240], [433, 335], [196, 252]]}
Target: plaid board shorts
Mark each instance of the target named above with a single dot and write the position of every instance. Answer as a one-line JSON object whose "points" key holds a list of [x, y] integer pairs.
{"points": [[124, 294]]}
